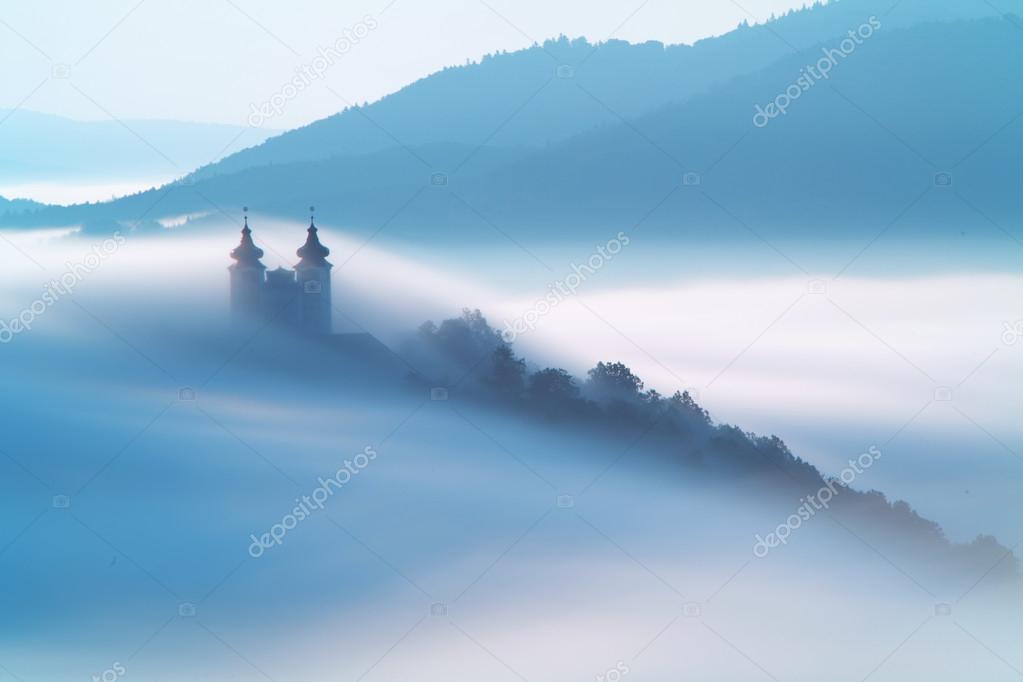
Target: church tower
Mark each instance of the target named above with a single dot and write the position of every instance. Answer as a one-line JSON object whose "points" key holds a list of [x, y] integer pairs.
{"points": [[313, 275], [246, 281]]}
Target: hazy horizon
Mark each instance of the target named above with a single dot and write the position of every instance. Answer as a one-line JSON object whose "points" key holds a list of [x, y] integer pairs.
{"points": [[265, 49]]}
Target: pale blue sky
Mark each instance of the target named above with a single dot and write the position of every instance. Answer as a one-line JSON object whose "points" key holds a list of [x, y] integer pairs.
{"points": [[210, 60]]}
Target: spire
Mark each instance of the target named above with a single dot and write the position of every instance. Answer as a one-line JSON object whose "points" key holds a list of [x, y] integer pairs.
{"points": [[313, 253], [247, 253]]}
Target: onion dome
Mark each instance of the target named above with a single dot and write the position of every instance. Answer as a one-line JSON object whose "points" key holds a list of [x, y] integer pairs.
{"points": [[247, 253], [313, 253]]}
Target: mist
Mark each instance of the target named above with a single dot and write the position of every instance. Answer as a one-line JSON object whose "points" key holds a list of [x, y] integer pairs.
{"points": [[477, 542], [923, 364]]}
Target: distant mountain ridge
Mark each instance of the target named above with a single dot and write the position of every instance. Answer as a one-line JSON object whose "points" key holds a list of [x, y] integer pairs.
{"points": [[18, 205], [520, 98], [909, 106], [110, 149]]}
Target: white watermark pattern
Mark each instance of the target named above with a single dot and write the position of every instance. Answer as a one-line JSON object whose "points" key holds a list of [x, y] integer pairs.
{"points": [[64, 285], [1012, 332], [615, 674], [307, 74], [314, 501], [812, 504], [565, 288], [812, 74], [111, 674]]}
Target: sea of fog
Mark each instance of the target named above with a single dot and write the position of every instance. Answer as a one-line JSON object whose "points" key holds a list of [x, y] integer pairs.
{"points": [[65, 193], [924, 365], [474, 545]]}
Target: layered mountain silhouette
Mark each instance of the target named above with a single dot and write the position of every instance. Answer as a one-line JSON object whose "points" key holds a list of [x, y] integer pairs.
{"points": [[503, 99], [18, 205], [921, 122], [90, 150]]}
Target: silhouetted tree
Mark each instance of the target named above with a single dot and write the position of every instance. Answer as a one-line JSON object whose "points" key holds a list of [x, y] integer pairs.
{"points": [[466, 340], [685, 406], [613, 381], [508, 373], [552, 385], [677, 425]]}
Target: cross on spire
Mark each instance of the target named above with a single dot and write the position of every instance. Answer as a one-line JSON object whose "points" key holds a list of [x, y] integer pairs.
{"points": [[313, 253], [247, 253]]}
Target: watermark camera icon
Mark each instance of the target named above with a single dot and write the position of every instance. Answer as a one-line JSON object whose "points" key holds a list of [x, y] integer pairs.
{"points": [[438, 393], [186, 394], [942, 609], [692, 180], [438, 610], [817, 287], [943, 394], [61, 71], [439, 179], [61, 501], [691, 610], [313, 287], [565, 71], [186, 609], [943, 180], [565, 501]]}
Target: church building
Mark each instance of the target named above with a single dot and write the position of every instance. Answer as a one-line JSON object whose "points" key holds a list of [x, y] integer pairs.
{"points": [[297, 299]]}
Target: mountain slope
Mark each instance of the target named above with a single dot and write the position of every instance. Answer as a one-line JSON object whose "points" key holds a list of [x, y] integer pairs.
{"points": [[904, 109], [550, 92]]}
